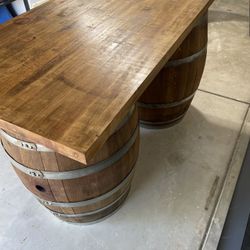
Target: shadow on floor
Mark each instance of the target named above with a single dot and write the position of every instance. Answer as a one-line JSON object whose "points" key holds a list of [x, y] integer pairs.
{"points": [[191, 149]]}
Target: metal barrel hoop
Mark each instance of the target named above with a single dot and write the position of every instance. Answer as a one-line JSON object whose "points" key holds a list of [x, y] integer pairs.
{"points": [[91, 212], [88, 202], [77, 173]]}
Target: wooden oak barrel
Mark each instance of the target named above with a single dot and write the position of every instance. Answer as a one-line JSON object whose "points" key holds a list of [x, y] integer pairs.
{"points": [[70, 190], [169, 96]]}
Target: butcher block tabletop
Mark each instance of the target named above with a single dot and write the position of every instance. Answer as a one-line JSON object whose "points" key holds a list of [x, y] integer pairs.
{"points": [[70, 70]]}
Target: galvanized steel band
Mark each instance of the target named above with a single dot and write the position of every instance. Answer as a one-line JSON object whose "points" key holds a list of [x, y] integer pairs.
{"points": [[164, 105], [125, 182], [24, 144], [162, 124], [77, 173], [188, 59], [91, 212]]}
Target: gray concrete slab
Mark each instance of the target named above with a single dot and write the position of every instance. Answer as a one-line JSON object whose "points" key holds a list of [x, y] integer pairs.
{"points": [[227, 70], [239, 7], [220, 212]]}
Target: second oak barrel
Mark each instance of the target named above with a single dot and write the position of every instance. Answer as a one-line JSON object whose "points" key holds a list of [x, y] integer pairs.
{"points": [[169, 96]]}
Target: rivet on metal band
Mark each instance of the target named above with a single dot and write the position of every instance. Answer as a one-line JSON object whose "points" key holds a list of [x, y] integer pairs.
{"points": [[164, 105], [125, 182], [91, 212], [91, 169], [24, 144], [40, 148], [188, 59]]}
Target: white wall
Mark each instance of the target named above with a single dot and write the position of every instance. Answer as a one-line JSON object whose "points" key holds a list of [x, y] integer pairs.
{"points": [[19, 5]]}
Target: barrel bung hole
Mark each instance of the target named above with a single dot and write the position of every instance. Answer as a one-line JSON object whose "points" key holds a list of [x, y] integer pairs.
{"points": [[40, 188]]}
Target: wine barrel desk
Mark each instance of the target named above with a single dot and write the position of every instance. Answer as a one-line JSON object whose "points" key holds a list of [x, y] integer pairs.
{"points": [[71, 75]]}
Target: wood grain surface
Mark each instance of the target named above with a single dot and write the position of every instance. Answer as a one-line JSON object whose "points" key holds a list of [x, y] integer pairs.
{"points": [[70, 70]]}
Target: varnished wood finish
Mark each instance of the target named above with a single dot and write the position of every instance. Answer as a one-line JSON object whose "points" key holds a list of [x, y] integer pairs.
{"points": [[175, 85], [70, 70], [86, 187]]}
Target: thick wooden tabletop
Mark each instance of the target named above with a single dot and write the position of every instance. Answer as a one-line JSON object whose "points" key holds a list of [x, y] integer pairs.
{"points": [[70, 70]]}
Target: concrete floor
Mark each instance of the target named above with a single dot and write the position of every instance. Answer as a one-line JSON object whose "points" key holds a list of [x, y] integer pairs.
{"points": [[185, 175]]}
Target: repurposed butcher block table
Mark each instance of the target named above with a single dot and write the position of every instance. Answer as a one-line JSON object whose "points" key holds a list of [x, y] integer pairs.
{"points": [[71, 75]]}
